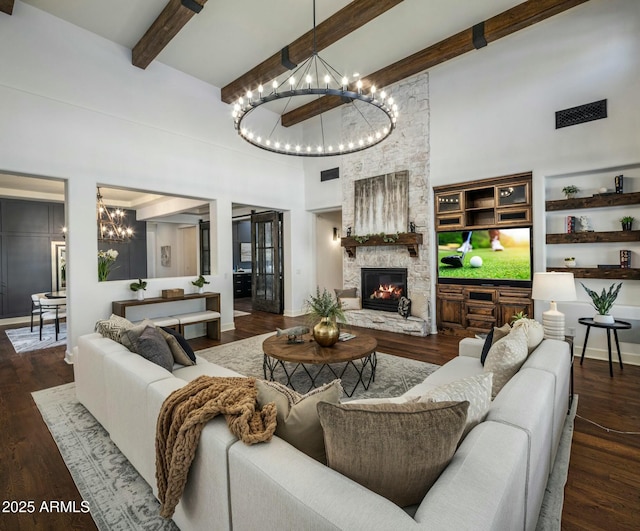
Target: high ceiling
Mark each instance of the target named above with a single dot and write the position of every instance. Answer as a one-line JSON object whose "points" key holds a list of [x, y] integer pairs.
{"points": [[228, 38]]}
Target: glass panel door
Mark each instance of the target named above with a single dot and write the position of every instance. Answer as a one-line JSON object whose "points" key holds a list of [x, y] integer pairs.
{"points": [[266, 242]]}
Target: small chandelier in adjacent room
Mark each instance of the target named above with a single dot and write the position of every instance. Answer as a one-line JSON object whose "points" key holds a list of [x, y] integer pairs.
{"points": [[375, 110], [111, 223]]}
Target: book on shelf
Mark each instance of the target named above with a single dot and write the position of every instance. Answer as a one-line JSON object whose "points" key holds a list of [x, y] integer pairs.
{"points": [[571, 224], [619, 180], [625, 258]]}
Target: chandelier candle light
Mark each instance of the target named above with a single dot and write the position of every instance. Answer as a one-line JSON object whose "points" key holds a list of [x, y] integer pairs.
{"points": [[111, 223], [316, 78]]}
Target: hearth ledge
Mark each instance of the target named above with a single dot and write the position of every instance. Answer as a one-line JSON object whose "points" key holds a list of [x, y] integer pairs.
{"points": [[388, 322]]}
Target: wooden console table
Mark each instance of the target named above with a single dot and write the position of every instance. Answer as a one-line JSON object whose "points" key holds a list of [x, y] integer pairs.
{"points": [[212, 304]]}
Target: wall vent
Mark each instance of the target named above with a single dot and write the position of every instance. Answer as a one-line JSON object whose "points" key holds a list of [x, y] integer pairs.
{"points": [[581, 114], [328, 175]]}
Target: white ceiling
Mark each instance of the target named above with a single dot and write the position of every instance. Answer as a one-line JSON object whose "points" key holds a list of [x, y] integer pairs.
{"points": [[227, 38]]}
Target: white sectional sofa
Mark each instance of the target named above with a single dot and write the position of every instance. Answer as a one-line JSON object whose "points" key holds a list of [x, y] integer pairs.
{"points": [[495, 481]]}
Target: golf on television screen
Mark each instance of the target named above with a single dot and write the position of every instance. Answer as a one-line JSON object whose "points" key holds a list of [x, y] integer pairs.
{"points": [[496, 255]]}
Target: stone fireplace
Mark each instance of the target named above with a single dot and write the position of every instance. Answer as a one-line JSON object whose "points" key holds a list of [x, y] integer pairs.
{"points": [[382, 287], [406, 150]]}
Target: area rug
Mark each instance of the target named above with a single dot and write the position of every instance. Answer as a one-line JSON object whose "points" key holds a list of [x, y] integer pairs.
{"points": [[394, 375], [23, 340], [240, 313]]}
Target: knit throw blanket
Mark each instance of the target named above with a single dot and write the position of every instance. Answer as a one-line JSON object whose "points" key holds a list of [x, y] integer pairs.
{"points": [[183, 416]]}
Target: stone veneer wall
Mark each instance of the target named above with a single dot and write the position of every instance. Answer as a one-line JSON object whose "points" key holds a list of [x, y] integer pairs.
{"points": [[406, 149]]}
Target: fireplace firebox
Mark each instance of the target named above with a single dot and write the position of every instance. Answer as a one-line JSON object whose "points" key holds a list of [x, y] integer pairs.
{"points": [[382, 287]]}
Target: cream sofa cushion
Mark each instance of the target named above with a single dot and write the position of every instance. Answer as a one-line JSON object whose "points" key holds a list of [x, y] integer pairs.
{"points": [[505, 358]]}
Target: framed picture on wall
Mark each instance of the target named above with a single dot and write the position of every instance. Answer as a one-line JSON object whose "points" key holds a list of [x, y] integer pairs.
{"points": [[58, 266], [165, 256], [245, 252]]}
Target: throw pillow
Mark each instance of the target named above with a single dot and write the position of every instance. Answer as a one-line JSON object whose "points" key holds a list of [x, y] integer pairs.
{"points": [[152, 346], [505, 358], [350, 303], [179, 346], [534, 331], [404, 307], [495, 335], [395, 450], [113, 326], [129, 336], [474, 389], [298, 421], [348, 292]]}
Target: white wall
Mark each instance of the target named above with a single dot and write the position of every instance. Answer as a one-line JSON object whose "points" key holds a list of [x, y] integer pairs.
{"points": [[73, 107], [328, 252], [493, 113]]}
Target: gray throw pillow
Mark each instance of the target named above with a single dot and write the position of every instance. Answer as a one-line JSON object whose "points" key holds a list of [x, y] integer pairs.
{"points": [[153, 347], [346, 293], [395, 450], [129, 336]]}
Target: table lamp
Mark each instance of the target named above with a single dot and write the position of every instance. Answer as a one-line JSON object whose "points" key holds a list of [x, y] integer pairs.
{"points": [[553, 287]]}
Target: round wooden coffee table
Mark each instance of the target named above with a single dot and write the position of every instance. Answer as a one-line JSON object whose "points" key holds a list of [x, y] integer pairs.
{"points": [[357, 354]]}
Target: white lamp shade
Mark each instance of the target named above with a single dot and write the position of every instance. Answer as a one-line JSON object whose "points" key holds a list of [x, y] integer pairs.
{"points": [[553, 286]]}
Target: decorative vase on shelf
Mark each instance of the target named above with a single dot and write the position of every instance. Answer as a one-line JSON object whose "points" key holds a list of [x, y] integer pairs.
{"points": [[140, 294], [570, 262], [201, 290], [326, 332]]}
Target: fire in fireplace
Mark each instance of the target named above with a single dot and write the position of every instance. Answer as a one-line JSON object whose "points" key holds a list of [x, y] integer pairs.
{"points": [[383, 287]]}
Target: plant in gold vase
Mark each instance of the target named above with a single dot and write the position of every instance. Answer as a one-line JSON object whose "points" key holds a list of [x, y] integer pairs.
{"points": [[328, 310]]}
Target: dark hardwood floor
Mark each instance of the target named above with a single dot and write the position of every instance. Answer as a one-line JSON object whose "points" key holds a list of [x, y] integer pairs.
{"points": [[602, 492]]}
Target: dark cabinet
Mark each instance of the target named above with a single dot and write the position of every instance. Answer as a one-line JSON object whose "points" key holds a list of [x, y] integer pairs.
{"points": [[241, 285]]}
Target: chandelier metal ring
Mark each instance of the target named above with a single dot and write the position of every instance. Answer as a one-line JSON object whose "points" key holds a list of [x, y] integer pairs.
{"points": [[342, 148], [363, 137]]}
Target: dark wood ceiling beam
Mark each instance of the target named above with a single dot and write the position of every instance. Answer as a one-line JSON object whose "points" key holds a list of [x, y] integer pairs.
{"points": [[348, 19], [173, 18], [6, 6], [506, 23]]}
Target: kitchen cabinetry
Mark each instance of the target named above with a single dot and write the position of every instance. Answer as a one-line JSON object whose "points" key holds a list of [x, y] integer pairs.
{"points": [[241, 285]]}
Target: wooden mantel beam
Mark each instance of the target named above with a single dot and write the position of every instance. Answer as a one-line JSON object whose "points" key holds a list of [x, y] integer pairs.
{"points": [[348, 19], [506, 23], [6, 6], [173, 18]]}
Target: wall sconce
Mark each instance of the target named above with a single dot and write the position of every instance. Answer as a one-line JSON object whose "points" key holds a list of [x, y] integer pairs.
{"points": [[335, 234], [64, 233]]}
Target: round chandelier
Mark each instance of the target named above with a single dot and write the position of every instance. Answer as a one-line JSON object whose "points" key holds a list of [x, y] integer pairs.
{"points": [[375, 111]]}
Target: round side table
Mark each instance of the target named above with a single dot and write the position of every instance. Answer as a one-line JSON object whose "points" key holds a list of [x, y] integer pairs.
{"points": [[615, 326]]}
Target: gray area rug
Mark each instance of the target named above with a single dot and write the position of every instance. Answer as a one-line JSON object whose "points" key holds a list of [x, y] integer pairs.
{"points": [[23, 340], [121, 500], [394, 375]]}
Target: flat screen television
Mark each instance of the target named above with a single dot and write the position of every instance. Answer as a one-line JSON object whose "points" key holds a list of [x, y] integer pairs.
{"points": [[495, 257]]}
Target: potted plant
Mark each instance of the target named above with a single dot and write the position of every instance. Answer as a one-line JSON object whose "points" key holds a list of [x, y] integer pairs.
{"points": [[517, 316], [570, 261], [603, 302], [570, 191], [328, 309], [627, 222], [139, 288], [200, 282]]}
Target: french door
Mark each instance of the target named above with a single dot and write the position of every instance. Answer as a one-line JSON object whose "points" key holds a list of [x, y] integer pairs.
{"points": [[266, 244]]}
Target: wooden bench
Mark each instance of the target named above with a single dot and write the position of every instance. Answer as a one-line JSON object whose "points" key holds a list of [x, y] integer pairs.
{"points": [[210, 317]]}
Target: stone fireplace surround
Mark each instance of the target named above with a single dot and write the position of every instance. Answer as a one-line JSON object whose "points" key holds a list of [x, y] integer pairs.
{"points": [[407, 149]]}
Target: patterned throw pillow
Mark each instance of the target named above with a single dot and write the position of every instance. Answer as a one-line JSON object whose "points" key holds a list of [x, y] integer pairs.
{"points": [[505, 358], [404, 307], [113, 327], [495, 335], [474, 389], [298, 421], [395, 450], [534, 331]]}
